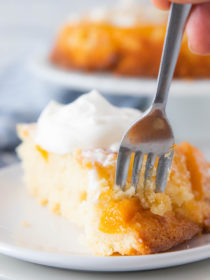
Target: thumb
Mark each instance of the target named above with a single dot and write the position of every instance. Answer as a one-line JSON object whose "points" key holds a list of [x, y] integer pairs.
{"points": [[198, 29]]}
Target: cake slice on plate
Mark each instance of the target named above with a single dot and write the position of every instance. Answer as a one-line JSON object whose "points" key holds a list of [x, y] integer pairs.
{"points": [[69, 159]]}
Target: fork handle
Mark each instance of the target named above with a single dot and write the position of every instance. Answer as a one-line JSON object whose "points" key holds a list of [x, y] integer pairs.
{"points": [[175, 29]]}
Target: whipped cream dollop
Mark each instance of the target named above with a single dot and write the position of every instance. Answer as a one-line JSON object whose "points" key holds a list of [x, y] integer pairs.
{"points": [[90, 122]]}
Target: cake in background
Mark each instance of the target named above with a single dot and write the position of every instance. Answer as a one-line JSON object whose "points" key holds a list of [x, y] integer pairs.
{"points": [[69, 158], [125, 39]]}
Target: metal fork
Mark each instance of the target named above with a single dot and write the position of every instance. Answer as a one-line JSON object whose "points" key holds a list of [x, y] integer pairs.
{"points": [[152, 136]]}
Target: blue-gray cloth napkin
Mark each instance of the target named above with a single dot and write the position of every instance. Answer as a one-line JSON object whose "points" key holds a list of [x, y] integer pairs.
{"points": [[23, 96]]}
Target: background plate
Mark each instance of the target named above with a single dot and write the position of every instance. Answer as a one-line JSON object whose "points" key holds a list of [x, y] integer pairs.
{"points": [[29, 232], [110, 84]]}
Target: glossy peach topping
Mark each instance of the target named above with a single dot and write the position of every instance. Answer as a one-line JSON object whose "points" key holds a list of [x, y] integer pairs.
{"points": [[189, 171]]}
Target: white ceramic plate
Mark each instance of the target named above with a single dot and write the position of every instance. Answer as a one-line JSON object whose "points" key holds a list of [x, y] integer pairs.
{"points": [[110, 84], [31, 233]]}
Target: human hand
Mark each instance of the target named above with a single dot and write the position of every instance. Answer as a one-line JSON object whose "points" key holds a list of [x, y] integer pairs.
{"points": [[198, 24]]}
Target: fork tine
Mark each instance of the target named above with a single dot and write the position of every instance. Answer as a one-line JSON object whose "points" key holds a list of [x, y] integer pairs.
{"points": [[138, 159], [123, 162], [149, 167], [164, 164]]}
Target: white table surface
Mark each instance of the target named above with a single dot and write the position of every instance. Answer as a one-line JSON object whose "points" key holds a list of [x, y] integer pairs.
{"points": [[13, 269]]}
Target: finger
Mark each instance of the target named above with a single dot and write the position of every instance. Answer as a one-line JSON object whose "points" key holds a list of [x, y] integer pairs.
{"points": [[161, 4], [189, 1], [165, 4], [198, 29]]}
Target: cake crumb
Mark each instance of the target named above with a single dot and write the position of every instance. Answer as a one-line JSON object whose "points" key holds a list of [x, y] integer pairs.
{"points": [[26, 224]]}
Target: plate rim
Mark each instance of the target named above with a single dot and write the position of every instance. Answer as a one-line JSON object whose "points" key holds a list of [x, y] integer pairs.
{"points": [[107, 263], [101, 263]]}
